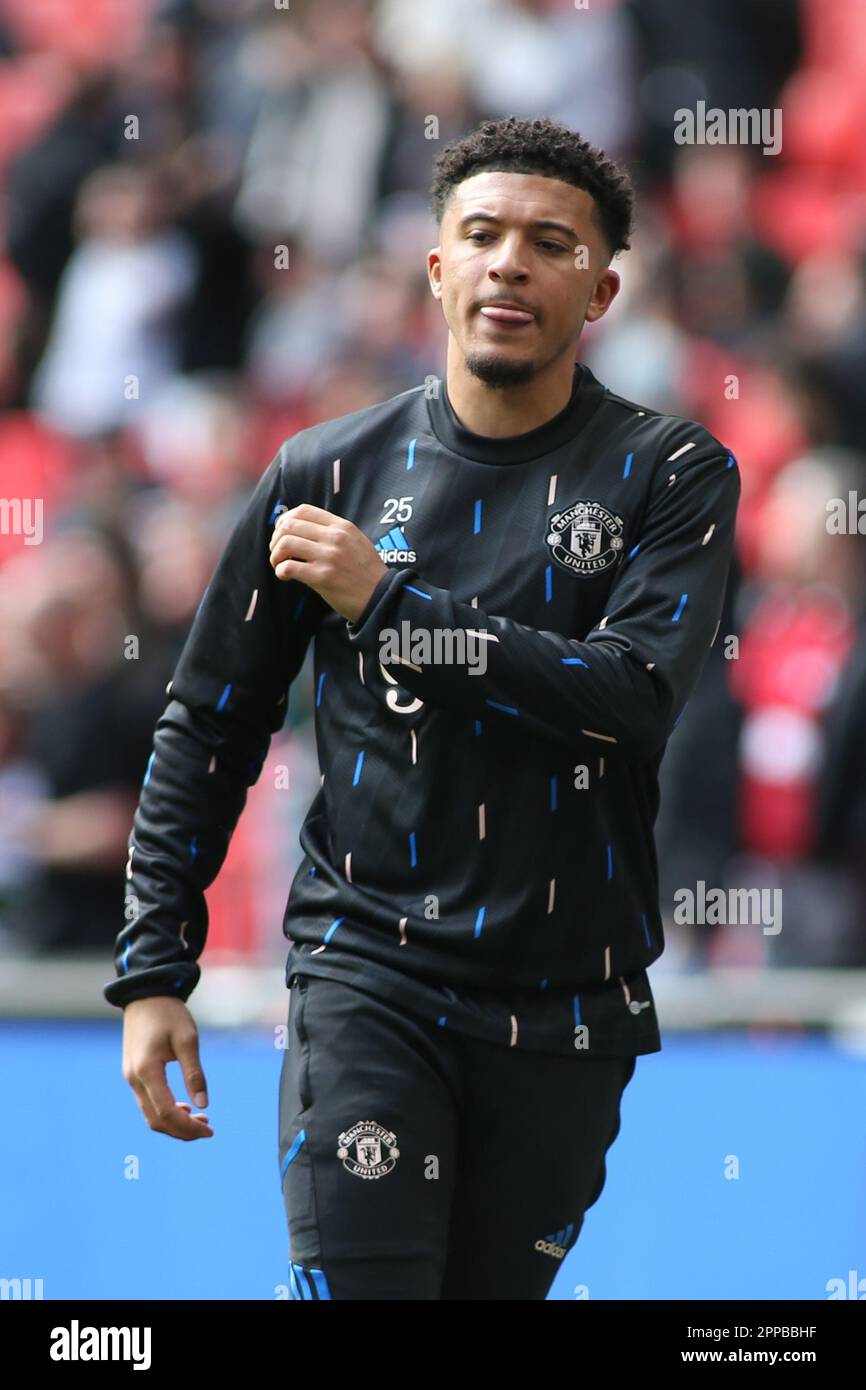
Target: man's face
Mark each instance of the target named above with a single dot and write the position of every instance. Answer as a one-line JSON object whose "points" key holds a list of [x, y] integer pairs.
{"points": [[497, 245]]}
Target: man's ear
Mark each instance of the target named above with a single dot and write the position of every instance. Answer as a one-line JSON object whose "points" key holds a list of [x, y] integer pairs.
{"points": [[434, 271], [603, 295]]}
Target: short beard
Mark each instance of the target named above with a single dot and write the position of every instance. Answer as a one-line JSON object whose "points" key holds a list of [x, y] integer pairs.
{"points": [[499, 372]]}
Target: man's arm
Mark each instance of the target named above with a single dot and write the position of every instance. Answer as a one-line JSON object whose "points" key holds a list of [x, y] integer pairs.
{"points": [[626, 685], [228, 697]]}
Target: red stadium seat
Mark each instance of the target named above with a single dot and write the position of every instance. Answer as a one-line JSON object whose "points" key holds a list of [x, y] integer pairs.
{"points": [[32, 90], [84, 29]]}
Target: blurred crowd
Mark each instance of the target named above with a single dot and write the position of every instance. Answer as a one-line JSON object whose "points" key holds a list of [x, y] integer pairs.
{"points": [[214, 229]]}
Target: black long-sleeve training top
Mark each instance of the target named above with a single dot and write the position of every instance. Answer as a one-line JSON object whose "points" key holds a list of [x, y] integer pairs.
{"points": [[489, 730]]}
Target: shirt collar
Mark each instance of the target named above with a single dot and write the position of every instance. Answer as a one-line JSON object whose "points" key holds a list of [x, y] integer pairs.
{"points": [[586, 395]]}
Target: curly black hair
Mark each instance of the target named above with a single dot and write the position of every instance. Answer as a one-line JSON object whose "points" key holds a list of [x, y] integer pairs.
{"points": [[540, 146]]}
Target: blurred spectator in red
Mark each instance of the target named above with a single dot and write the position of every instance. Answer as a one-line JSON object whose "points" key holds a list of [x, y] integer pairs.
{"points": [[803, 621]]}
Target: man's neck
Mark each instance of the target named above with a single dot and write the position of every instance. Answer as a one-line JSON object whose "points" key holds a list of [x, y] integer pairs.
{"points": [[500, 412]]}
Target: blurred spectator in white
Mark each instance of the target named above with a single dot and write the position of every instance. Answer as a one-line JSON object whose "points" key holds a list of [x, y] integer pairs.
{"points": [[298, 325], [639, 348], [312, 166], [574, 65], [414, 36], [524, 58], [114, 337]]}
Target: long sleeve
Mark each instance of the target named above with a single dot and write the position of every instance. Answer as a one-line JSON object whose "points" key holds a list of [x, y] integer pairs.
{"points": [[625, 686], [228, 697]]}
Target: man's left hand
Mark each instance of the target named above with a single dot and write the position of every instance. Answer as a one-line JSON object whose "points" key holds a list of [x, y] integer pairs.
{"points": [[328, 554]]}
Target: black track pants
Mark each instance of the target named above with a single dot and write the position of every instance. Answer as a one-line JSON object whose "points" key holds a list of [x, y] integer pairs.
{"points": [[417, 1163]]}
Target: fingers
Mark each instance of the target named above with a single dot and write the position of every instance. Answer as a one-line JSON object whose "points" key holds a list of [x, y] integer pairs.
{"points": [[293, 569], [292, 547], [157, 1031], [307, 511], [180, 1129], [288, 563], [186, 1052], [162, 1112], [305, 541], [196, 1119], [292, 524]]}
